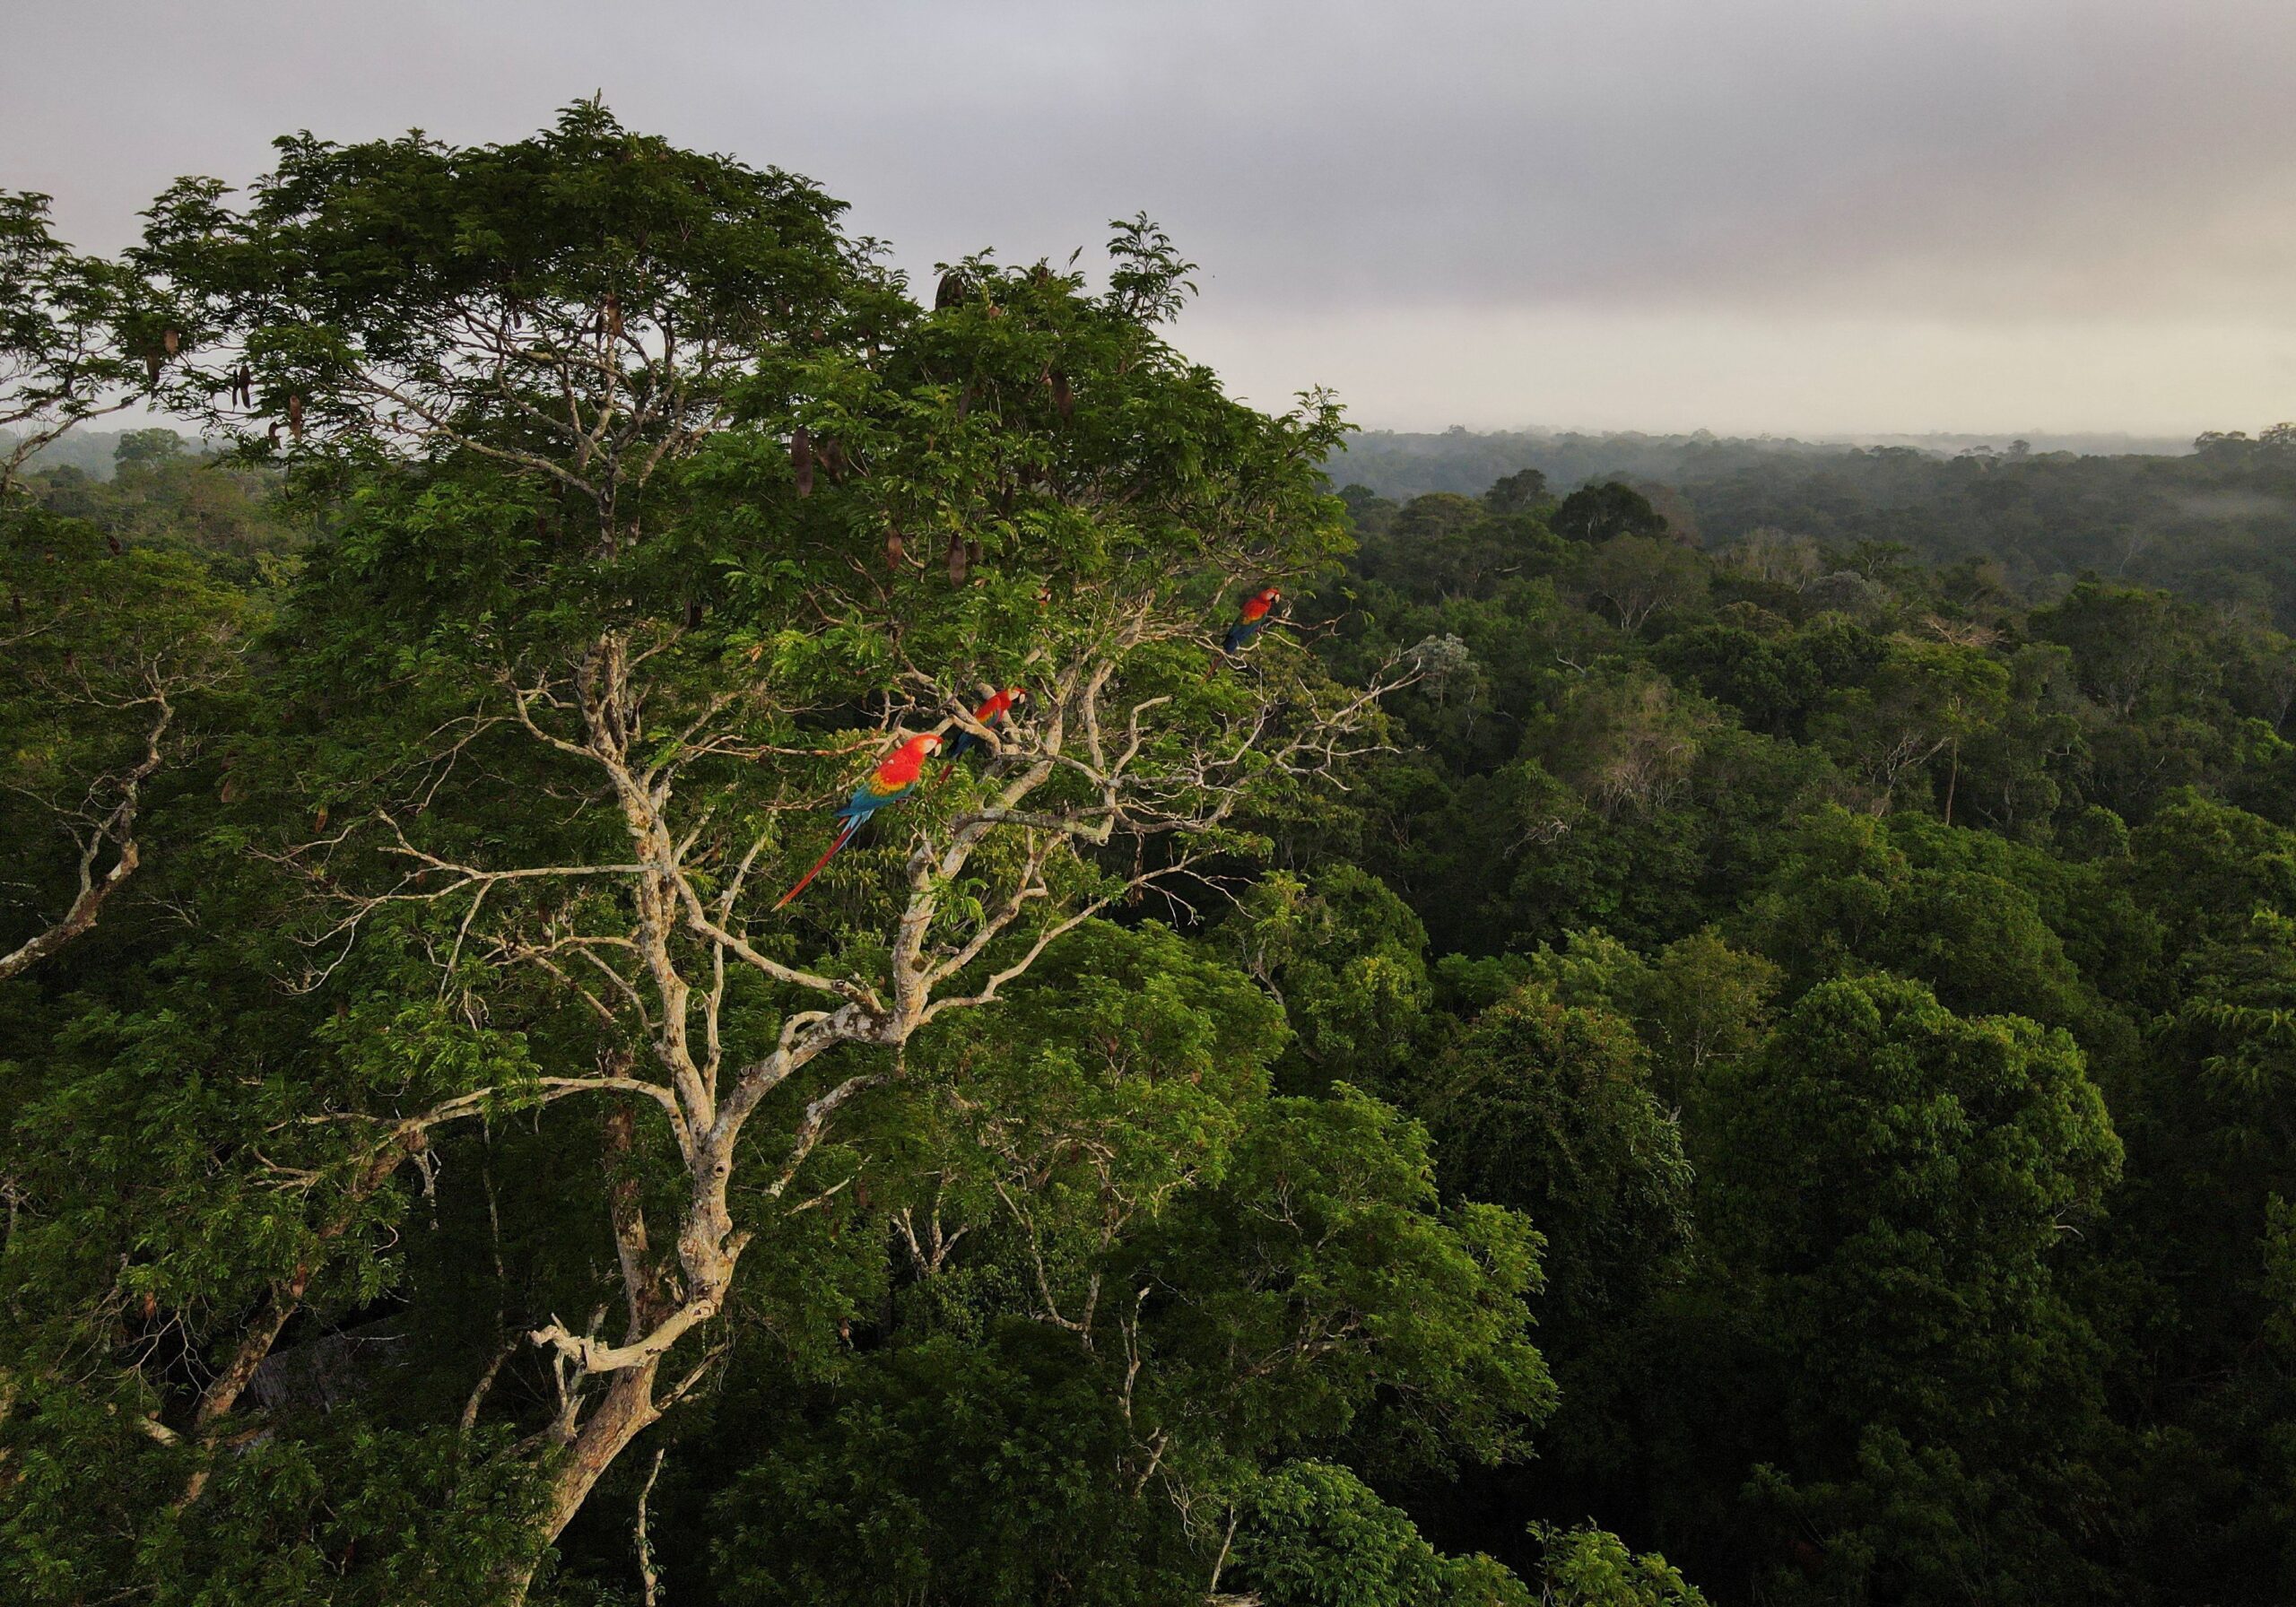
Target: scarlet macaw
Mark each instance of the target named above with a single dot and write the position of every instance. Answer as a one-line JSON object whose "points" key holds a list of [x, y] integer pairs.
{"points": [[988, 714], [1253, 621], [889, 782]]}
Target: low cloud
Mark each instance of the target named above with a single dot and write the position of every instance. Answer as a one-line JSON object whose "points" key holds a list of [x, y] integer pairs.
{"points": [[2063, 213]]}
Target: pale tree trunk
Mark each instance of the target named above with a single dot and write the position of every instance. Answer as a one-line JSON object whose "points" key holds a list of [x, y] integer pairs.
{"points": [[664, 972], [627, 1411]]}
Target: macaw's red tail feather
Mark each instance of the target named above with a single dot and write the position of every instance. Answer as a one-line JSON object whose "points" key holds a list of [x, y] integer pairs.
{"points": [[844, 836]]}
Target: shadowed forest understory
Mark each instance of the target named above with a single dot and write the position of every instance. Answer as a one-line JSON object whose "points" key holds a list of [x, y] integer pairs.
{"points": [[1713, 1031]]}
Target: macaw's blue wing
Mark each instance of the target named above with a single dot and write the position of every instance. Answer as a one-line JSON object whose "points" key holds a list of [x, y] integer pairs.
{"points": [[1242, 634], [871, 796]]}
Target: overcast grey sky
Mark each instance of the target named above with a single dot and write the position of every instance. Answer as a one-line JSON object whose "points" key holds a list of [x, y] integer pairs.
{"points": [[1811, 216]]}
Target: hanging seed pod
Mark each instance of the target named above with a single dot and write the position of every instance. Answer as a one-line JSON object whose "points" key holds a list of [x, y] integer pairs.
{"points": [[1062, 397], [833, 461], [152, 367], [295, 416], [951, 291], [801, 459], [896, 549], [243, 387], [171, 341], [972, 556], [958, 559]]}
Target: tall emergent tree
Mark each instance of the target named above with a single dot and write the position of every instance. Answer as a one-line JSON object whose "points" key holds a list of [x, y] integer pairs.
{"points": [[1894, 1188], [667, 514]]}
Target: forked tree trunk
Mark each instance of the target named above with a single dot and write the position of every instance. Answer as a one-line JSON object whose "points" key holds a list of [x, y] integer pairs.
{"points": [[627, 1411]]}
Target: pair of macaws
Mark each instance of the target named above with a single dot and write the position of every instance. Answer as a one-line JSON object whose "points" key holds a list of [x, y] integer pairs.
{"points": [[899, 775]]}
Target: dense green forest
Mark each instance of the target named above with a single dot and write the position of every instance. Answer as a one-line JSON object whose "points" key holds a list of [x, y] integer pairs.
{"points": [[1404, 465], [2216, 524], [1637, 1044]]}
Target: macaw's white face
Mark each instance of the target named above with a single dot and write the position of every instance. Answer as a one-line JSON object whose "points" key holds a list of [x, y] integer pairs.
{"points": [[931, 742]]}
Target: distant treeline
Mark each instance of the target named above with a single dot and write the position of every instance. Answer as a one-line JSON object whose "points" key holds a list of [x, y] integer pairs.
{"points": [[1403, 463], [89, 451], [2217, 524]]}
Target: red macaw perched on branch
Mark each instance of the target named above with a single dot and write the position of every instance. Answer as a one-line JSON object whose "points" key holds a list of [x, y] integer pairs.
{"points": [[1253, 621], [891, 782], [988, 714]]}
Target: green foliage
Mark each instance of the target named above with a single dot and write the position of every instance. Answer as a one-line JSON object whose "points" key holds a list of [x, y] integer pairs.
{"points": [[345, 1512], [955, 1471], [1633, 576], [1348, 960], [1589, 1567], [124, 667], [1546, 1107], [1596, 514], [1893, 1186], [1315, 1535], [1169, 1304], [1324, 1268]]}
